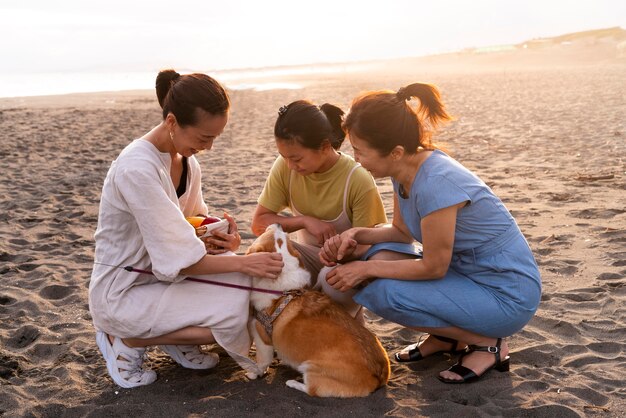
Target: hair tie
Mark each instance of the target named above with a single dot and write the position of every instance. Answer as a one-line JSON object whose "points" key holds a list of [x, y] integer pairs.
{"points": [[402, 94], [283, 110]]}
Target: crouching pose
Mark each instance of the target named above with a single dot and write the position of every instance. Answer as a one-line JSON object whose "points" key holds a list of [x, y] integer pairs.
{"points": [[149, 190], [325, 190], [476, 282]]}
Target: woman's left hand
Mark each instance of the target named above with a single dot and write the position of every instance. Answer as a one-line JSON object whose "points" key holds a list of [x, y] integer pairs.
{"points": [[220, 242], [348, 276]]}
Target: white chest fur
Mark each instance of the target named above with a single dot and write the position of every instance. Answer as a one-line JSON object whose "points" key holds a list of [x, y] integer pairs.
{"points": [[292, 277]]}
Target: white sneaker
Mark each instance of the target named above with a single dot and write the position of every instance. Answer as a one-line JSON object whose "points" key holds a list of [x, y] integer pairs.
{"points": [[191, 357], [124, 363]]}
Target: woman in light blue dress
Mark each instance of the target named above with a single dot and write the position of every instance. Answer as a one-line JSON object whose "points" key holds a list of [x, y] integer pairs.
{"points": [[474, 282]]}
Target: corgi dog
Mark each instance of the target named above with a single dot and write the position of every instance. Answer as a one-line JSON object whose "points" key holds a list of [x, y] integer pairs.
{"points": [[337, 356]]}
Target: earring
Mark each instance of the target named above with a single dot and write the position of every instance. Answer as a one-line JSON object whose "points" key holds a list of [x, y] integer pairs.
{"points": [[172, 136]]}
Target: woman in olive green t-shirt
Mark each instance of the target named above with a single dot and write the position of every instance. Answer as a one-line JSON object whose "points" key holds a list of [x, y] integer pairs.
{"points": [[326, 191]]}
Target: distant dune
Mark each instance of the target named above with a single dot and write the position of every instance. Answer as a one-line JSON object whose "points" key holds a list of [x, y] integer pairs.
{"points": [[588, 48]]}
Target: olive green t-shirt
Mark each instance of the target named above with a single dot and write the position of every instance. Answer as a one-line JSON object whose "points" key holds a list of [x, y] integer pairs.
{"points": [[320, 195]]}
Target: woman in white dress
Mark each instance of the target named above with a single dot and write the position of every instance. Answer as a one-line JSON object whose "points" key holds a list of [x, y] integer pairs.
{"points": [[149, 190]]}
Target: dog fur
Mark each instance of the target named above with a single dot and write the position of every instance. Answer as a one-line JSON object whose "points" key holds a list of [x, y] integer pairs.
{"points": [[337, 356]]}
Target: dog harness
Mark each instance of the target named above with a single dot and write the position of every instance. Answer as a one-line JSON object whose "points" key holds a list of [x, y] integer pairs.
{"points": [[268, 320]]}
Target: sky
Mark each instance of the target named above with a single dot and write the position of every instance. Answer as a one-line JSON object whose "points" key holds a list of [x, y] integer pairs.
{"points": [[125, 35]]}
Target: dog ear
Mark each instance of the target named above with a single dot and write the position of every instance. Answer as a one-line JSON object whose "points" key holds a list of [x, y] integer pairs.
{"points": [[292, 250], [263, 244], [295, 253], [254, 248]]}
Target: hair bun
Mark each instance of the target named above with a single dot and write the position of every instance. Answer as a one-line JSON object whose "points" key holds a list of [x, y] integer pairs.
{"points": [[164, 82], [403, 95]]}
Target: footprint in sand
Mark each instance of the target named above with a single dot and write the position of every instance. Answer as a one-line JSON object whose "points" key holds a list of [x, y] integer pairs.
{"points": [[561, 197], [6, 300], [15, 258], [620, 258], [595, 213], [544, 251], [534, 386], [588, 395], [564, 267], [610, 276], [47, 351], [19, 242], [582, 295], [27, 266], [23, 337], [607, 349], [614, 235], [56, 292], [9, 366]]}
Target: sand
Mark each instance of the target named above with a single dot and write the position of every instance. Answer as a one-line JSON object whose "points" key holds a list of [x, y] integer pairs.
{"points": [[551, 142]]}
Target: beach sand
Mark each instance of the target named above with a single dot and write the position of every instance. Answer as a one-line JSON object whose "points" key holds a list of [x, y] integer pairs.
{"points": [[551, 142]]}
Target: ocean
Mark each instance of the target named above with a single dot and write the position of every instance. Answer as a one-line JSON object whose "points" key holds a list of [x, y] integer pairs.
{"points": [[45, 84]]}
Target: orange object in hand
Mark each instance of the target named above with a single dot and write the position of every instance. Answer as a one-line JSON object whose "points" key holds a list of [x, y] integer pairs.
{"points": [[198, 221], [195, 221]]}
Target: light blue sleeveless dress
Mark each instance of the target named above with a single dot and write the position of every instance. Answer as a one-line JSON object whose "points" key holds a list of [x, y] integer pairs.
{"points": [[492, 286]]}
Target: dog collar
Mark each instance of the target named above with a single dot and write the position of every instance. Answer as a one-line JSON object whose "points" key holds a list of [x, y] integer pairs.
{"points": [[268, 320]]}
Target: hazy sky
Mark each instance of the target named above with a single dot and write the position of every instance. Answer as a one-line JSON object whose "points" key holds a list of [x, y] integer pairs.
{"points": [[144, 35]]}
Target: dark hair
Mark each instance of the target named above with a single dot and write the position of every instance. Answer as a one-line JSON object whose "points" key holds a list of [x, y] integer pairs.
{"points": [[181, 95], [309, 125], [385, 120]]}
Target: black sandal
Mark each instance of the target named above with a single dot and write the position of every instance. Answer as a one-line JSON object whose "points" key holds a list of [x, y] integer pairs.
{"points": [[468, 375], [414, 352]]}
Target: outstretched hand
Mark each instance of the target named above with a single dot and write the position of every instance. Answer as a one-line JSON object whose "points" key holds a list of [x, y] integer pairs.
{"points": [[263, 265], [348, 276], [337, 248]]}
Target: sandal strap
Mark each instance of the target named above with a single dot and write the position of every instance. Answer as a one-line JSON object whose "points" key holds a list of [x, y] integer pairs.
{"points": [[445, 340], [414, 349], [463, 371], [493, 349], [192, 353]]}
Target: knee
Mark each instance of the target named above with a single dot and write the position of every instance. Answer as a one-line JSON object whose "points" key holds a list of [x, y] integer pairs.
{"points": [[378, 298], [321, 277]]}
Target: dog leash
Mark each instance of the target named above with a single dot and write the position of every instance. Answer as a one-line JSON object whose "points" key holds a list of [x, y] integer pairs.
{"points": [[195, 279]]}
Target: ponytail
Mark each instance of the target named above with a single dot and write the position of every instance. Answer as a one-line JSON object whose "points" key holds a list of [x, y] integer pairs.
{"points": [[385, 120], [335, 118], [430, 107]]}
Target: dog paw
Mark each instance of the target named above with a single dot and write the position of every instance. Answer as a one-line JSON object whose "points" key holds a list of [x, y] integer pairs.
{"points": [[296, 385]]}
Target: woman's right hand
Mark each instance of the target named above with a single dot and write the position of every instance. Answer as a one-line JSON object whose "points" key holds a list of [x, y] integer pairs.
{"points": [[338, 247], [319, 229], [262, 265]]}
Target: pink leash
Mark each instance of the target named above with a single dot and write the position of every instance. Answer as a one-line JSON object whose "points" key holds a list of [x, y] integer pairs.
{"points": [[195, 279]]}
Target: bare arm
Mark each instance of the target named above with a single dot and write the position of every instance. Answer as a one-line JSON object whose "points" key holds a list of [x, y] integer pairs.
{"points": [[264, 217], [350, 243], [265, 265], [438, 240]]}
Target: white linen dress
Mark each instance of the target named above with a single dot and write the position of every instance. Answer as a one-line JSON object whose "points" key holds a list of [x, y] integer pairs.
{"points": [[142, 224]]}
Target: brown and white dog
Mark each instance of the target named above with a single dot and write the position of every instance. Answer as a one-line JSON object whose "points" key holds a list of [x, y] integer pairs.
{"points": [[337, 356]]}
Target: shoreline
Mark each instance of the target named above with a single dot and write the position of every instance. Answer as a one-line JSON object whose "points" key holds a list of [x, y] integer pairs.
{"points": [[589, 49]]}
